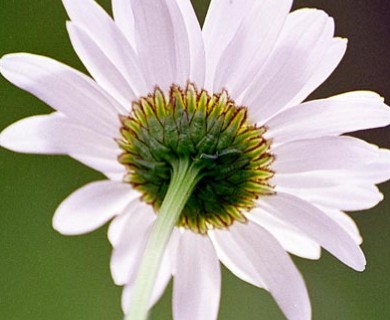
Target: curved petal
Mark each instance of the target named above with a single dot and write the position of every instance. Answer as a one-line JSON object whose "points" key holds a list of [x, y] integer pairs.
{"points": [[163, 277], [251, 45], [235, 259], [64, 89], [162, 42], [197, 281], [329, 117], [345, 221], [343, 197], [272, 266], [124, 18], [91, 206], [331, 59], [129, 234], [197, 50], [162, 280], [305, 37], [370, 173], [113, 170], [100, 67], [291, 239], [328, 153], [377, 171], [57, 134], [316, 225], [102, 29], [221, 24]]}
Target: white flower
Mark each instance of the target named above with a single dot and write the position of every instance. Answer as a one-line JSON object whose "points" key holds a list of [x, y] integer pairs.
{"points": [[268, 61]]}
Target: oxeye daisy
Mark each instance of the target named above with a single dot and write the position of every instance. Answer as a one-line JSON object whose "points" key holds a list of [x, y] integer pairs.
{"points": [[211, 155]]}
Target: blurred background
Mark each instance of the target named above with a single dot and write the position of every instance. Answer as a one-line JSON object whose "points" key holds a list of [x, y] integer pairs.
{"points": [[44, 275]]}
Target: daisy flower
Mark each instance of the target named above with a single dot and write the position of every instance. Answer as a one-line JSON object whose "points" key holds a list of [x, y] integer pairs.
{"points": [[211, 155]]}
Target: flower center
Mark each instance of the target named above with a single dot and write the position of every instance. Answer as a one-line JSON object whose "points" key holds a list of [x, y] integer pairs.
{"points": [[213, 133]]}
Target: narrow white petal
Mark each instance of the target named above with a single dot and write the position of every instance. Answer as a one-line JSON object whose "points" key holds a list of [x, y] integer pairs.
{"points": [[100, 67], [162, 280], [102, 29], [117, 227], [129, 234], [110, 167], [291, 239], [251, 45], [272, 266], [221, 24], [57, 134], [310, 179], [197, 281], [91, 206], [64, 89], [197, 50], [328, 153], [329, 117], [162, 42], [163, 277], [377, 171], [124, 18], [316, 225], [343, 197], [323, 70], [305, 37], [370, 173], [234, 258], [345, 221]]}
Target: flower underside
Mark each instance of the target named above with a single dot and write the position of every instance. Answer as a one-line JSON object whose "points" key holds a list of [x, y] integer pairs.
{"points": [[232, 156]]}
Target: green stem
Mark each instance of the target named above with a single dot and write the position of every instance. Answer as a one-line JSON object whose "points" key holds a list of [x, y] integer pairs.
{"points": [[183, 182]]}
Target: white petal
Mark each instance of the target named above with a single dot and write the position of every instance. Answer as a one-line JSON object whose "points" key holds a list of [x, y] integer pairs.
{"points": [[328, 153], [197, 282], [162, 42], [56, 134], [124, 18], [197, 50], [100, 67], [305, 37], [345, 221], [310, 179], [64, 89], [323, 70], [113, 170], [344, 196], [235, 259], [291, 239], [222, 22], [91, 206], [129, 234], [270, 263], [329, 117], [316, 225], [162, 280], [102, 29], [377, 171], [253, 42], [370, 173]]}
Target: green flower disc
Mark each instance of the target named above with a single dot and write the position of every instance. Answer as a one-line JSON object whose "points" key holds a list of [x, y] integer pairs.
{"points": [[211, 132]]}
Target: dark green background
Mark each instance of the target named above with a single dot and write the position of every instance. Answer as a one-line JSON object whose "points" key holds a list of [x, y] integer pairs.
{"points": [[44, 275]]}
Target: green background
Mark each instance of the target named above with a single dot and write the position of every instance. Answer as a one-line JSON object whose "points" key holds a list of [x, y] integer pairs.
{"points": [[44, 275]]}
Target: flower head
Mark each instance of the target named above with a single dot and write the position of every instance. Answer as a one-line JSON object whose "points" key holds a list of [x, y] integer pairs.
{"points": [[220, 112]]}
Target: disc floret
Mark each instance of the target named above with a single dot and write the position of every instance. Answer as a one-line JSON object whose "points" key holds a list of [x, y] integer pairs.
{"points": [[211, 132]]}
